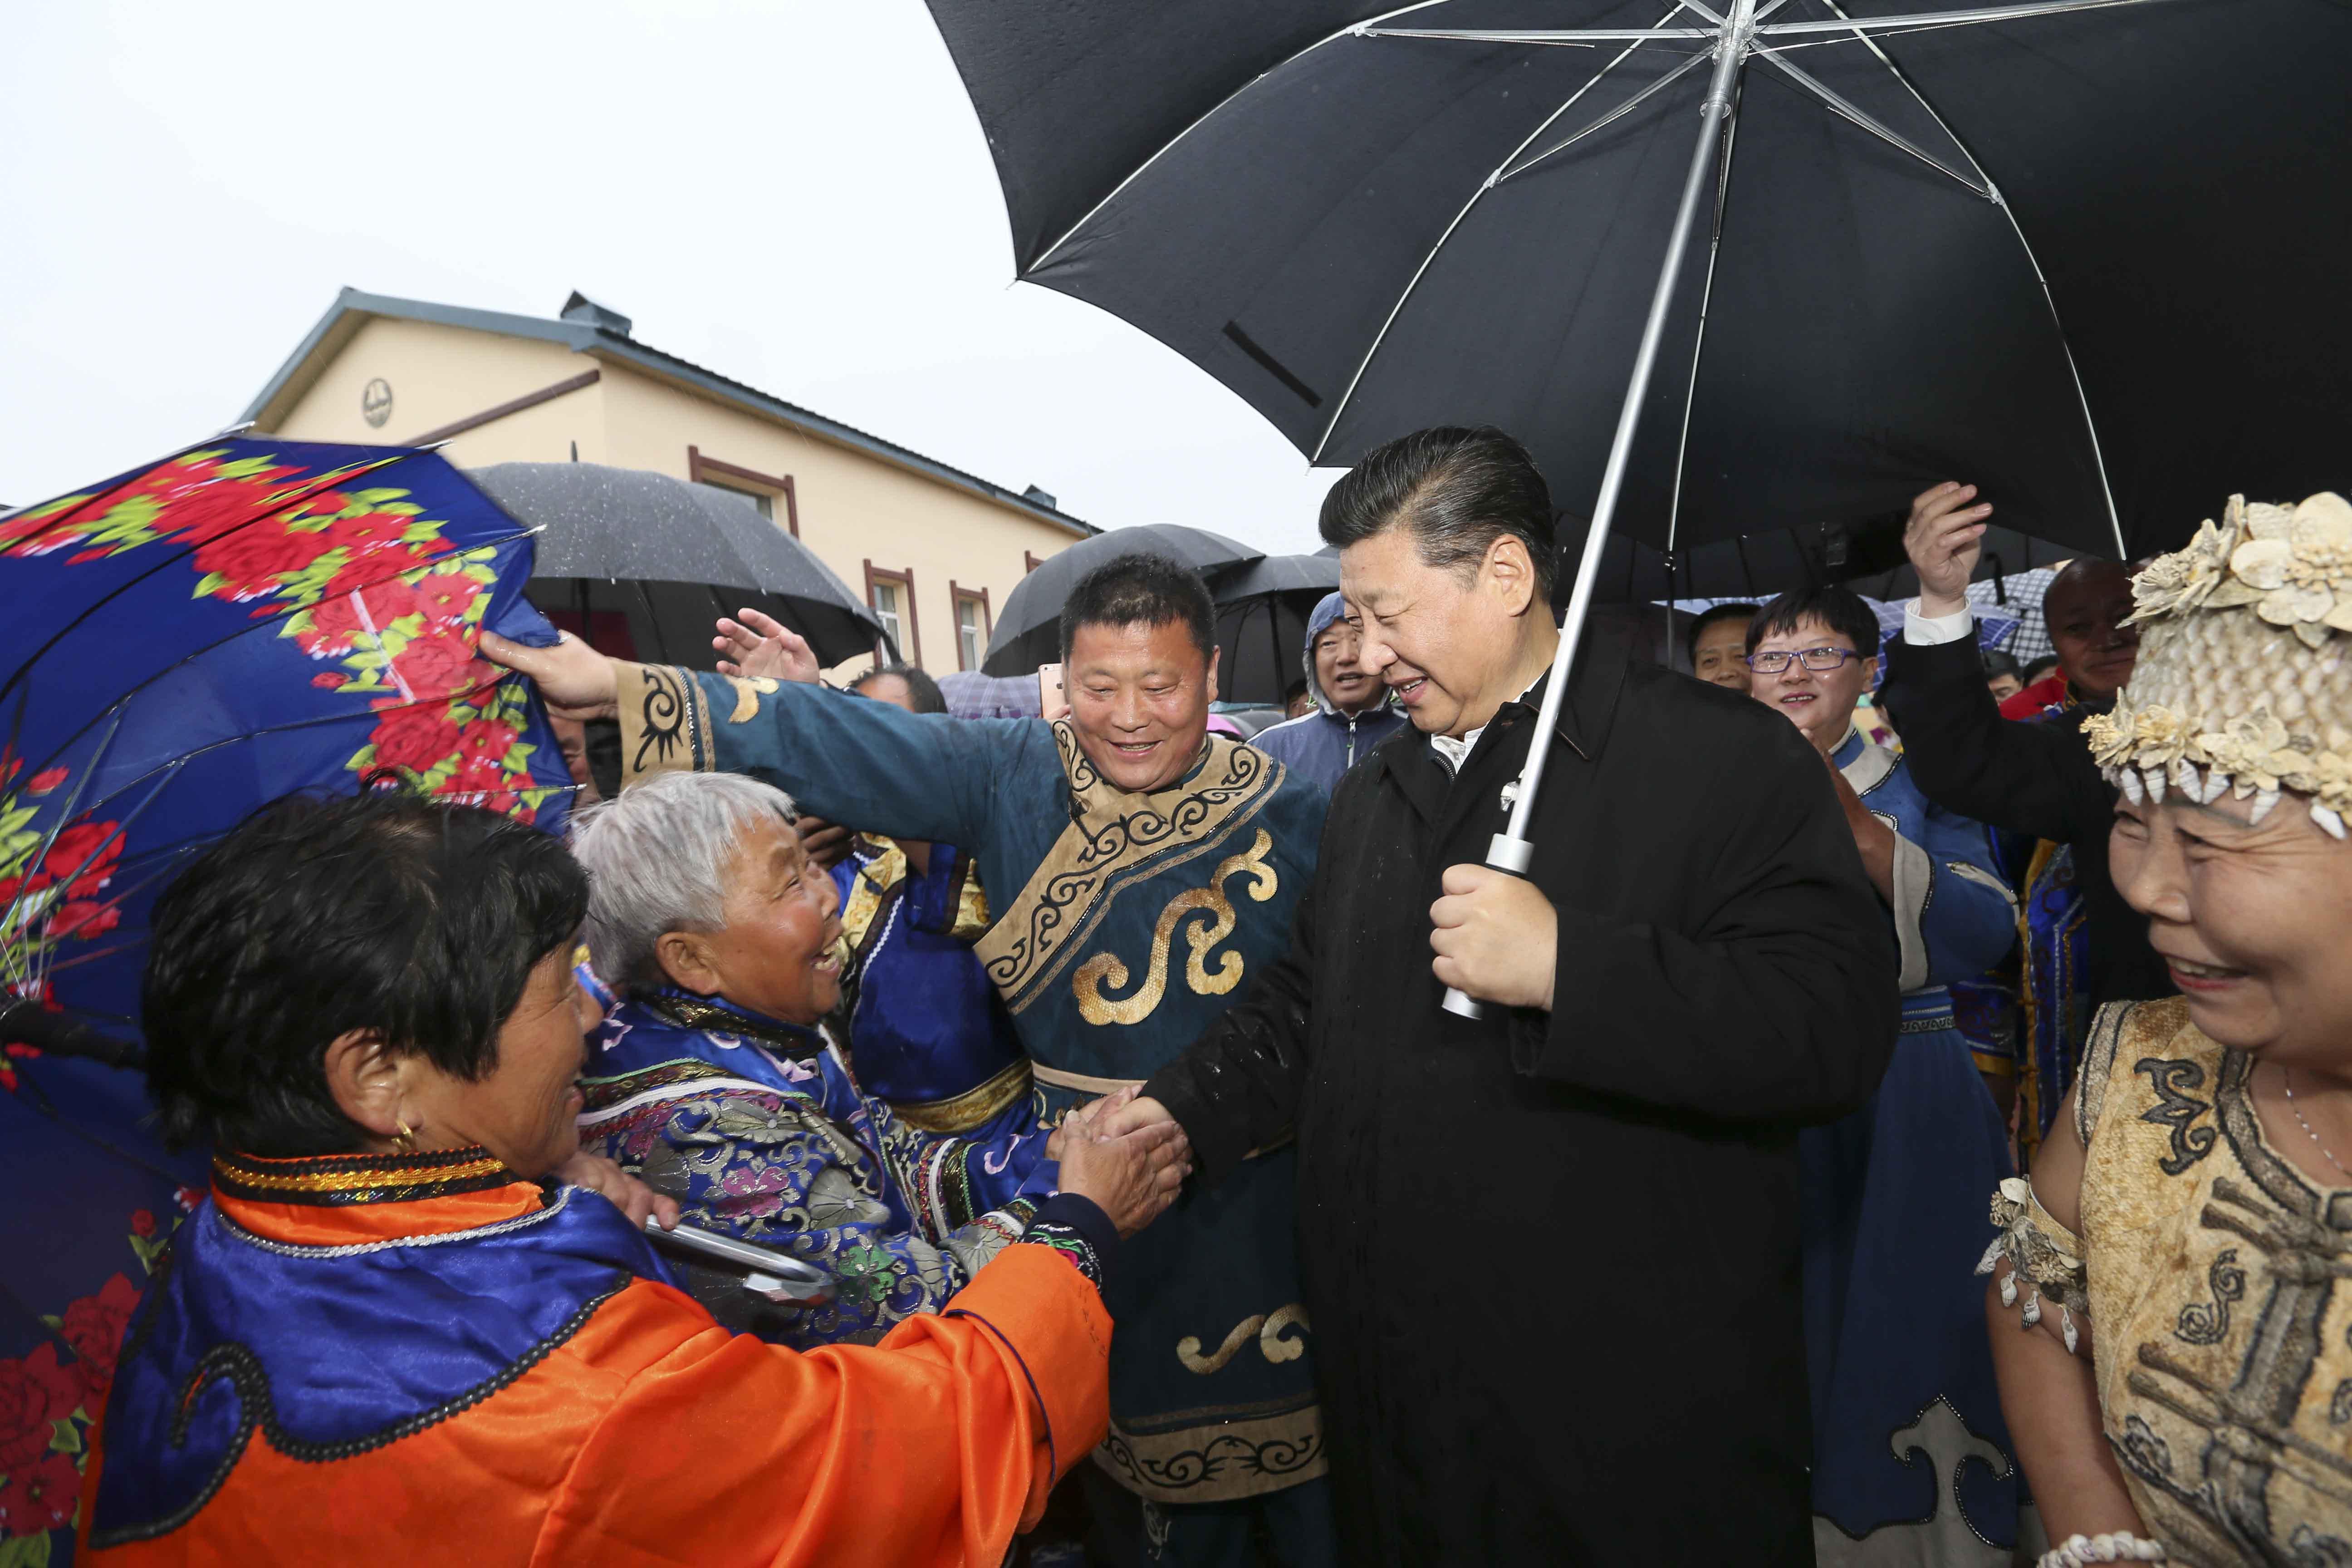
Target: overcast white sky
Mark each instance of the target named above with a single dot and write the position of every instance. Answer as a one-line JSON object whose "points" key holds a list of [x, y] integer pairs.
{"points": [[796, 194]]}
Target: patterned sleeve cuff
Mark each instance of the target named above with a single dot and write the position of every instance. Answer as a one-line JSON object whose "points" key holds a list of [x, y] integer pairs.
{"points": [[1077, 1229]]}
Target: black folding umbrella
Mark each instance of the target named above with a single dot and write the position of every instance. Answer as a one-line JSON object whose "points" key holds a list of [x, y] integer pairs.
{"points": [[1262, 611], [1028, 629], [625, 548]]}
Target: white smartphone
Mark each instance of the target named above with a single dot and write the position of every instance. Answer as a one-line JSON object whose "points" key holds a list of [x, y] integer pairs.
{"points": [[1052, 700]]}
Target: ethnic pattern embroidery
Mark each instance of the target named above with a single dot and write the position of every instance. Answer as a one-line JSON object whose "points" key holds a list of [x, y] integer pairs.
{"points": [[1068, 1240], [1267, 1329], [2207, 1325], [342, 1179], [2178, 1111], [1202, 935], [1115, 840], [664, 713], [1234, 1457]]}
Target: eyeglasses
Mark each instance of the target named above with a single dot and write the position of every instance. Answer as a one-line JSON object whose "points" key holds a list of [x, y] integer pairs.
{"points": [[1814, 658]]}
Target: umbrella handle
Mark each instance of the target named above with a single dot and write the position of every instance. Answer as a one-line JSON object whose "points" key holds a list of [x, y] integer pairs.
{"points": [[1511, 855]]}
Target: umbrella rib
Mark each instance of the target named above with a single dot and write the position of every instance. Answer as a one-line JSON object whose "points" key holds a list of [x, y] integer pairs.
{"points": [[1839, 106], [1690, 63], [1698, 344], [1475, 197], [2082, 399], [1351, 30], [1862, 26], [1549, 38]]}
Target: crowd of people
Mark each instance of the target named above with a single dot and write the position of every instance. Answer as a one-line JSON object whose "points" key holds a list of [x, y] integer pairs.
{"points": [[1088, 1081]]}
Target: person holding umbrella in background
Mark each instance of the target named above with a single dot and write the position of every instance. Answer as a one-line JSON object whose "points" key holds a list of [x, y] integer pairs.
{"points": [[1551, 1255], [1352, 710]]}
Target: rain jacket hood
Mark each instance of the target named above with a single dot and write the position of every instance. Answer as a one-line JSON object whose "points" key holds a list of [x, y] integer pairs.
{"points": [[1326, 744]]}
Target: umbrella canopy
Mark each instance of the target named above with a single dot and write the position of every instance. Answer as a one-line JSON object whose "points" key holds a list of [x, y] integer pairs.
{"points": [[1262, 611], [1028, 628], [2019, 252], [663, 557], [181, 643]]}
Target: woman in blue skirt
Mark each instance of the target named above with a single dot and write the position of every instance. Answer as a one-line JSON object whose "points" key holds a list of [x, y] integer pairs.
{"points": [[1911, 1459]]}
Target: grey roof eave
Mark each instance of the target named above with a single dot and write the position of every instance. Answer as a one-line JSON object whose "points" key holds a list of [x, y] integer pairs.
{"points": [[582, 338]]}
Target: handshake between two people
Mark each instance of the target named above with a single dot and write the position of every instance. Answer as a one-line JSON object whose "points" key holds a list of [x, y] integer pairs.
{"points": [[1125, 1154]]}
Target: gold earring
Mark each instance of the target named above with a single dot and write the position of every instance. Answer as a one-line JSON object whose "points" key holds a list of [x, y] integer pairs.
{"points": [[405, 1138]]}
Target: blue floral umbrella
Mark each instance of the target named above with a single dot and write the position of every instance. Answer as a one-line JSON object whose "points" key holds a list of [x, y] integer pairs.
{"points": [[181, 643]]}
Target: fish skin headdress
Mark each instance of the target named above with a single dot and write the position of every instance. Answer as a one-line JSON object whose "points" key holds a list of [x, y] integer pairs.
{"points": [[2244, 677]]}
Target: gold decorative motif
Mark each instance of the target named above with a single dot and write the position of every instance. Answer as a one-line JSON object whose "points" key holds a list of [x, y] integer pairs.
{"points": [[665, 721], [870, 890], [749, 690], [1266, 1328], [963, 1112], [1116, 840], [1107, 969]]}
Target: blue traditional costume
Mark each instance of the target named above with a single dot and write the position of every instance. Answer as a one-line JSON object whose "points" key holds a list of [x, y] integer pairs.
{"points": [[1132, 921], [760, 1131], [928, 1033], [1894, 1223]]}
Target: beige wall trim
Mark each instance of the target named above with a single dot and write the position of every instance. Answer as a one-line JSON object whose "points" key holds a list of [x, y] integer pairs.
{"points": [[956, 595], [904, 580], [489, 416], [696, 466]]}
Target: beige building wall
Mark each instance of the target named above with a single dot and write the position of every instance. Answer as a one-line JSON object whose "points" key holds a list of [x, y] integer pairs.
{"points": [[854, 508]]}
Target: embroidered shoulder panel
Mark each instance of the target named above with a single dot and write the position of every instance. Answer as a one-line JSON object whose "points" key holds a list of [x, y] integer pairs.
{"points": [[1116, 839]]}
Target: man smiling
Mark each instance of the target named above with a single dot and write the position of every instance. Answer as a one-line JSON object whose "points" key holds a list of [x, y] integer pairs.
{"points": [[1552, 1253], [1148, 872], [1351, 712]]}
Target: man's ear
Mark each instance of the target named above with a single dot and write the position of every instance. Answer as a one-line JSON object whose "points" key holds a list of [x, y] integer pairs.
{"points": [[686, 957], [1212, 672], [366, 1081], [1512, 571]]}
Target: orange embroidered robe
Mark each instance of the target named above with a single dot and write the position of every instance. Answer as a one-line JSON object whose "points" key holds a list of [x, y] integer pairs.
{"points": [[432, 1358]]}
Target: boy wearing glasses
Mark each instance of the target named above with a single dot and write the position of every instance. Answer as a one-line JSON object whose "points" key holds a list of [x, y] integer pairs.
{"points": [[1893, 1220]]}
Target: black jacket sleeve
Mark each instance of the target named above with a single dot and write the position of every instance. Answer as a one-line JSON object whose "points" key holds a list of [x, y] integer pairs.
{"points": [[1777, 1004], [2034, 779], [1236, 1088]]}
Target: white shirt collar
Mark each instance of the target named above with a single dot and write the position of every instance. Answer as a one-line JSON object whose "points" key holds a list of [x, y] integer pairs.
{"points": [[1454, 753]]}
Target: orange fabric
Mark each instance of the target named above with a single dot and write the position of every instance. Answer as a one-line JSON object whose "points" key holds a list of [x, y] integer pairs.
{"points": [[655, 1436], [308, 1225]]}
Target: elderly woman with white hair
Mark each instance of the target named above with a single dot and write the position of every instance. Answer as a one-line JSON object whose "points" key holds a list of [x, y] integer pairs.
{"points": [[713, 1082], [2172, 1325]]}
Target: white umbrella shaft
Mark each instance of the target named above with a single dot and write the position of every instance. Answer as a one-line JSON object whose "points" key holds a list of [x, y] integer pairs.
{"points": [[1510, 851]]}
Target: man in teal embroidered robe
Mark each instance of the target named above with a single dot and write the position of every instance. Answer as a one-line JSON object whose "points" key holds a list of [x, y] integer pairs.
{"points": [[1140, 914]]}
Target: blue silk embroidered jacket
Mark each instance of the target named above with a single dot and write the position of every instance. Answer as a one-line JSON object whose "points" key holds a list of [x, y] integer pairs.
{"points": [[928, 1034], [761, 1132], [1123, 924]]}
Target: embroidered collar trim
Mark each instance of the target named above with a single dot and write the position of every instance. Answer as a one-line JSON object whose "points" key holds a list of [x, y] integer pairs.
{"points": [[343, 1180]]}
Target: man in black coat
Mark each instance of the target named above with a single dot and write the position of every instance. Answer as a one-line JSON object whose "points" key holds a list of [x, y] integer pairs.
{"points": [[2033, 779], [1550, 1256]]}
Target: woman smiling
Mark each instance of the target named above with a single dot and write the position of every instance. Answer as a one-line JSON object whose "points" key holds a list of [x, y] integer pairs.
{"points": [[2184, 1388]]}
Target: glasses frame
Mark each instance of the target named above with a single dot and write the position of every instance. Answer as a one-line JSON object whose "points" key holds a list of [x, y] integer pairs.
{"points": [[1805, 657]]}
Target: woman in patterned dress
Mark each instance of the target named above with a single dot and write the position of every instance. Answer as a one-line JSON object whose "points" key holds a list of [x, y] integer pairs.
{"points": [[2171, 1303]]}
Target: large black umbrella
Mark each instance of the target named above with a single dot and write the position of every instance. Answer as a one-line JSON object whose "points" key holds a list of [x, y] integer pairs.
{"points": [[1028, 628], [1367, 217], [642, 563], [1262, 612]]}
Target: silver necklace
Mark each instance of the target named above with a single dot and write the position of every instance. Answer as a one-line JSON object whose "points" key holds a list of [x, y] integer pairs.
{"points": [[2286, 1076]]}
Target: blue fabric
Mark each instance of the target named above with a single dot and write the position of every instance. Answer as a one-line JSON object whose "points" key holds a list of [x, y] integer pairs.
{"points": [[927, 1024], [181, 644], [339, 1350], [774, 1142], [1894, 1222], [1321, 746]]}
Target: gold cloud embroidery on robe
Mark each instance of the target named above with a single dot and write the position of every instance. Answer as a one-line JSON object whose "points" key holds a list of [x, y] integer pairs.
{"points": [[1206, 917], [1267, 1328]]}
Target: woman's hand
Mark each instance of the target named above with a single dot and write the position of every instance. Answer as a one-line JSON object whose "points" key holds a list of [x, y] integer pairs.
{"points": [[1089, 1116], [577, 681], [760, 645], [630, 1196], [1131, 1178]]}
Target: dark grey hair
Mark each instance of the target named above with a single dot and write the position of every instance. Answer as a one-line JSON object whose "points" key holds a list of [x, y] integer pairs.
{"points": [[656, 858], [921, 687], [1457, 489]]}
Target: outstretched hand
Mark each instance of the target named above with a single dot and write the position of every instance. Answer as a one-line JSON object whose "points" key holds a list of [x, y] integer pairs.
{"points": [[1944, 536], [760, 645], [1133, 1177], [630, 1196], [577, 681]]}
